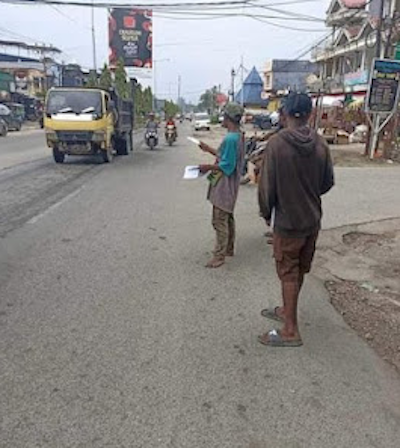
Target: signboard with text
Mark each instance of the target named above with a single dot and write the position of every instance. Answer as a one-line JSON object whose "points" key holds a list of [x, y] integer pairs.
{"points": [[384, 86], [131, 39], [356, 78]]}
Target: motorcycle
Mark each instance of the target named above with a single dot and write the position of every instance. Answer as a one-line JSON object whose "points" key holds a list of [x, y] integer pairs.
{"points": [[151, 138], [170, 134], [254, 153]]}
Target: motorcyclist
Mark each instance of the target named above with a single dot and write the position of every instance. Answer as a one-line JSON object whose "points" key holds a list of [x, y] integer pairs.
{"points": [[151, 125], [171, 122]]}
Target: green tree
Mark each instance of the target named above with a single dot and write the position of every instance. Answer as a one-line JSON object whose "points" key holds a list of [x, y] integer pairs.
{"points": [[147, 100], [122, 85], [143, 103], [105, 80], [92, 79], [170, 108], [208, 100]]}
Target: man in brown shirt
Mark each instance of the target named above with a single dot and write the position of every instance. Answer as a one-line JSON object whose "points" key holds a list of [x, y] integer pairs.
{"points": [[297, 170], [224, 183]]}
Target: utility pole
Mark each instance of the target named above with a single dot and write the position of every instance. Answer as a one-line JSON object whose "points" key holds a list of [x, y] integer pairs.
{"points": [[242, 82], [379, 30], [376, 119], [154, 86], [179, 90], [233, 74], [155, 62], [94, 40]]}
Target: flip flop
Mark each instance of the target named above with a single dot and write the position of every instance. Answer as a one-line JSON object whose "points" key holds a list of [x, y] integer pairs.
{"points": [[271, 314], [215, 263], [275, 340]]}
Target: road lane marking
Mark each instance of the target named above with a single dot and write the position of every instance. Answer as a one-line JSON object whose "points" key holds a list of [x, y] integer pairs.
{"points": [[41, 215]]}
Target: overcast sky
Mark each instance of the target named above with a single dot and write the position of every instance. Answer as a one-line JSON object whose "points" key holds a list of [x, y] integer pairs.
{"points": [[202, 52]]}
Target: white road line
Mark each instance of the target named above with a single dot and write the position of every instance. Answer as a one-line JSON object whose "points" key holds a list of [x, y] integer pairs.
{"points": [[38, 217]]}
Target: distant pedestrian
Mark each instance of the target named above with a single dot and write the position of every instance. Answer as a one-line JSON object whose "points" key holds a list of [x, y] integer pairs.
{"points": [[224, 183], [297, 171]]}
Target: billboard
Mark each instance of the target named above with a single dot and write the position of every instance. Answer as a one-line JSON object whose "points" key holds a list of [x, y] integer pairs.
{"points": [[384, 86], [130, 33]]}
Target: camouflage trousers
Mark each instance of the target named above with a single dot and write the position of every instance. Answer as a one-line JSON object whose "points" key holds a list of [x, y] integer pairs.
{"points": [[224, 226]]}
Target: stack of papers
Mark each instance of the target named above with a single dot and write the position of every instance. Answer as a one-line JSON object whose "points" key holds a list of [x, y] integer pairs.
{"points": [[194, 140], [192, 172]]}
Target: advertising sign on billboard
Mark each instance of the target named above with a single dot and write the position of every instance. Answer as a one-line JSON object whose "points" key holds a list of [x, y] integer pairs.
{"points": [[131, 39], [383, 94]]}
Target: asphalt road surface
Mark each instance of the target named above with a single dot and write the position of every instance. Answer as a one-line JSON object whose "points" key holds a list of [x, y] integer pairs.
{"points": [[113, 334]]}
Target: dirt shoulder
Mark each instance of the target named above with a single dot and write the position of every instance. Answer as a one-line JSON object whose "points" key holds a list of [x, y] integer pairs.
{"points": [[353, 155], [360, 265]]}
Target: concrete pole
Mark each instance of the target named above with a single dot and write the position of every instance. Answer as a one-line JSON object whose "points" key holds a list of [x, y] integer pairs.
{"points": [[94, 41], [179, 90], [233, 74], [154, 85], [242, 82], [379, 30]]}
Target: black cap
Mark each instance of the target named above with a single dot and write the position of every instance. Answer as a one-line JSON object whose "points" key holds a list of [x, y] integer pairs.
{"points": [[297, 105]]}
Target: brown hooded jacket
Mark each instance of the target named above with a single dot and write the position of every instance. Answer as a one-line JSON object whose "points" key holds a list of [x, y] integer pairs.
{"points": [[297, 170]]}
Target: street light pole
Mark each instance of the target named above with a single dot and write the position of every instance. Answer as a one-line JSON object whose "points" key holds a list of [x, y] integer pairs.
{"points": [[94, 40], [154, 85], [179, 90], [242, 82], [379, 30], [233, 74], [155, 61]]}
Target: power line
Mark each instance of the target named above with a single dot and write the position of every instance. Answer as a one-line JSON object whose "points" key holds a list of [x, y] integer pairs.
{"points": [[288, 13], [86, 4], [285, 27], [71, 19], [304, 53], [7, 32], [189, 15]]}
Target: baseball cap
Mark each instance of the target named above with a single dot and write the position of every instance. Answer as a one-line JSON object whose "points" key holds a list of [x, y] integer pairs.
{"points": [[234, 112], [297, 105]]}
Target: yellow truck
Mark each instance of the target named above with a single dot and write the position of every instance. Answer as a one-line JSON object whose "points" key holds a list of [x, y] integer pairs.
{"points": [[87, 121]]}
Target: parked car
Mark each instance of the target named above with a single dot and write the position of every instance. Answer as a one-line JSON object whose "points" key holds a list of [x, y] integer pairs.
{"points": [[262, 121], [202, 122], [3, 128], [18, 110], [11, 117]]}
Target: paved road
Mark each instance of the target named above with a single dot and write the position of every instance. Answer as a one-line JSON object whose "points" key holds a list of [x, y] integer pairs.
{"points": [[30, 181], [113, 334], [21, 147]]}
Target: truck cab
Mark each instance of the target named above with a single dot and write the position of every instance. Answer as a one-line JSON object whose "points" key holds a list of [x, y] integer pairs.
{"points": [[87, 121]]}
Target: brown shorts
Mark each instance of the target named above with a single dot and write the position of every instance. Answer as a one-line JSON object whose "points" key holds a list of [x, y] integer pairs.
{"points": [[293, 256]]}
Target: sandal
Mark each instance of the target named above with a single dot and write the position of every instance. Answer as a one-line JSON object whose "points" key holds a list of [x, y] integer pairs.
{"points": [[215, 262], [271, 314], [275, 340]]}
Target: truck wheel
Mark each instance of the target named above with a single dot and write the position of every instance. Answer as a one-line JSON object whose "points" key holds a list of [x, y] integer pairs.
{"points": [[59, 156], [130, 137], [107, 155], [122, 145]]}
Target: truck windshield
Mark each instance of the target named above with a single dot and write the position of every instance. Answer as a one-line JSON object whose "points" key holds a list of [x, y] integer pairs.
{"points": [[76, 102]]}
